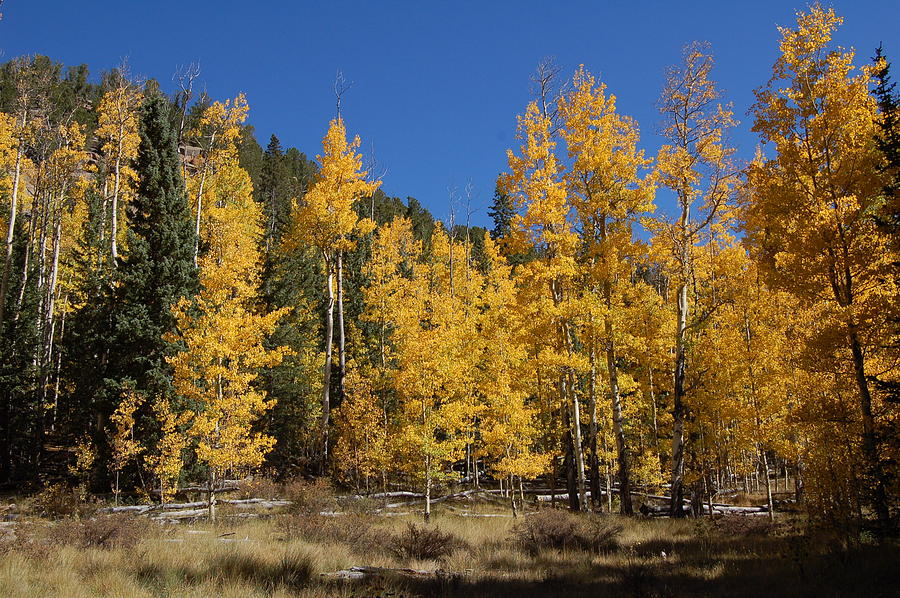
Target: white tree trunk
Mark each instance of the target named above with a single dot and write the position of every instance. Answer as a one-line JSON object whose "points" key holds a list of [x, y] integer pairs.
{"points": [[326, 369], [11, 228], [114, 218]]}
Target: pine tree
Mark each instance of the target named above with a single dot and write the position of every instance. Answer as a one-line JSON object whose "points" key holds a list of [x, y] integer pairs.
{"points": [[158, 268], [501, 212], [888, 141]]}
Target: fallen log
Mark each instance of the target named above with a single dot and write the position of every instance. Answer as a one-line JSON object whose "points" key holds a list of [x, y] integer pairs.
{"points": [[397, 494], [362, 572], [248, 502]]}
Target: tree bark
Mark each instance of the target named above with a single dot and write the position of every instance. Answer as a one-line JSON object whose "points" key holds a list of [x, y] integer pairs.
{"points": [[579, 453], [427, 488], [326, 369], [594, 459], [765, 465], [676, 505], [199, 210], [870, 439], [114, 218], [342, 354], [615, 397], [569, 458]]}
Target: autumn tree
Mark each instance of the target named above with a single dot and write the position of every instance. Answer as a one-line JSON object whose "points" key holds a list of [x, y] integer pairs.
{"points": [[609, 197], [809, 217], [434, 361], [547, 283], [361, 449], [695, 164], [167, 461], [123, 445], [222, 333], [118, 133], [324, 218], [508, 423], [217, 132]]}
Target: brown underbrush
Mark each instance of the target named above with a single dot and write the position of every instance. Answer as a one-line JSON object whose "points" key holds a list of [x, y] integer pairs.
{"points": [[474, 551]]}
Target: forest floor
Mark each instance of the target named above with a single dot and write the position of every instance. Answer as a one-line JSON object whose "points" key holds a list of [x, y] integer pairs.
{"points": [[472, 547]]}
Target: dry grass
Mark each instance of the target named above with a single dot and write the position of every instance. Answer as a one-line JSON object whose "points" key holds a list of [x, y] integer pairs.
{"points": [[479, 556], [562, 530]]}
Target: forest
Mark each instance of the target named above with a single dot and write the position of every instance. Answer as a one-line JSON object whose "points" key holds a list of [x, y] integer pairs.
{"points": [[183, 308]]}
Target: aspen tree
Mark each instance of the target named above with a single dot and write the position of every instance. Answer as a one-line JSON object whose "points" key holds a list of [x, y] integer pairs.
{"points": [[118, 131], [361, 448], [122, 442], [432, 336], [324, 218], [217, 133], [536, 186], [696, 166], [168, 459], [223, 334], [508, 425], [394, 251], [609, 196], [809, 217]]}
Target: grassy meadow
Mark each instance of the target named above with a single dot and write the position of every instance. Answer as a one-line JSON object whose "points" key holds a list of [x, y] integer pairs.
{"points": [[470, 548]]}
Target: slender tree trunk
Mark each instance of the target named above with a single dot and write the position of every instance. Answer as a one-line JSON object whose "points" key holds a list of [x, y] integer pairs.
{"points": [[199, 212], [594, 460], [211, 493], [11, 229], [870, 439], [569, 454], [427, 488], [326, 369], [655, 422], [615, 397], [114, 219], [579, 453], [676, 505], [765, 465], [342, 349]]}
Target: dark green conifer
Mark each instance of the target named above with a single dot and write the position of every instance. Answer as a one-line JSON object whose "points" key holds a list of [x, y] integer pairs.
{"points": [[501, 213], [158, 267]]}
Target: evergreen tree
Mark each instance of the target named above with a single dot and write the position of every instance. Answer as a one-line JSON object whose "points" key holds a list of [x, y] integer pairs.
{"points": [[158, 269], [270, 193], [20, 408], [888, 141], [501, 212]]}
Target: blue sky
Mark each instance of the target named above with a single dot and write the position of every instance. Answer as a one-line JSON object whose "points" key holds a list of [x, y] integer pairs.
{"points": [[437, 85]]}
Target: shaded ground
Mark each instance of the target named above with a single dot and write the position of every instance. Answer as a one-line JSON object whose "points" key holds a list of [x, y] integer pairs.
{"points": [[479, 551]]}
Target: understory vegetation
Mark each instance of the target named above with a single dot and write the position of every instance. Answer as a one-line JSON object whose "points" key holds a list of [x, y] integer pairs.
{"points": [[470, 548]]}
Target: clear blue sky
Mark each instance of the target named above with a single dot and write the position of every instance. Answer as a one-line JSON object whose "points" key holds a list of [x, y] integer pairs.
{"points": [[437, 85]]}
